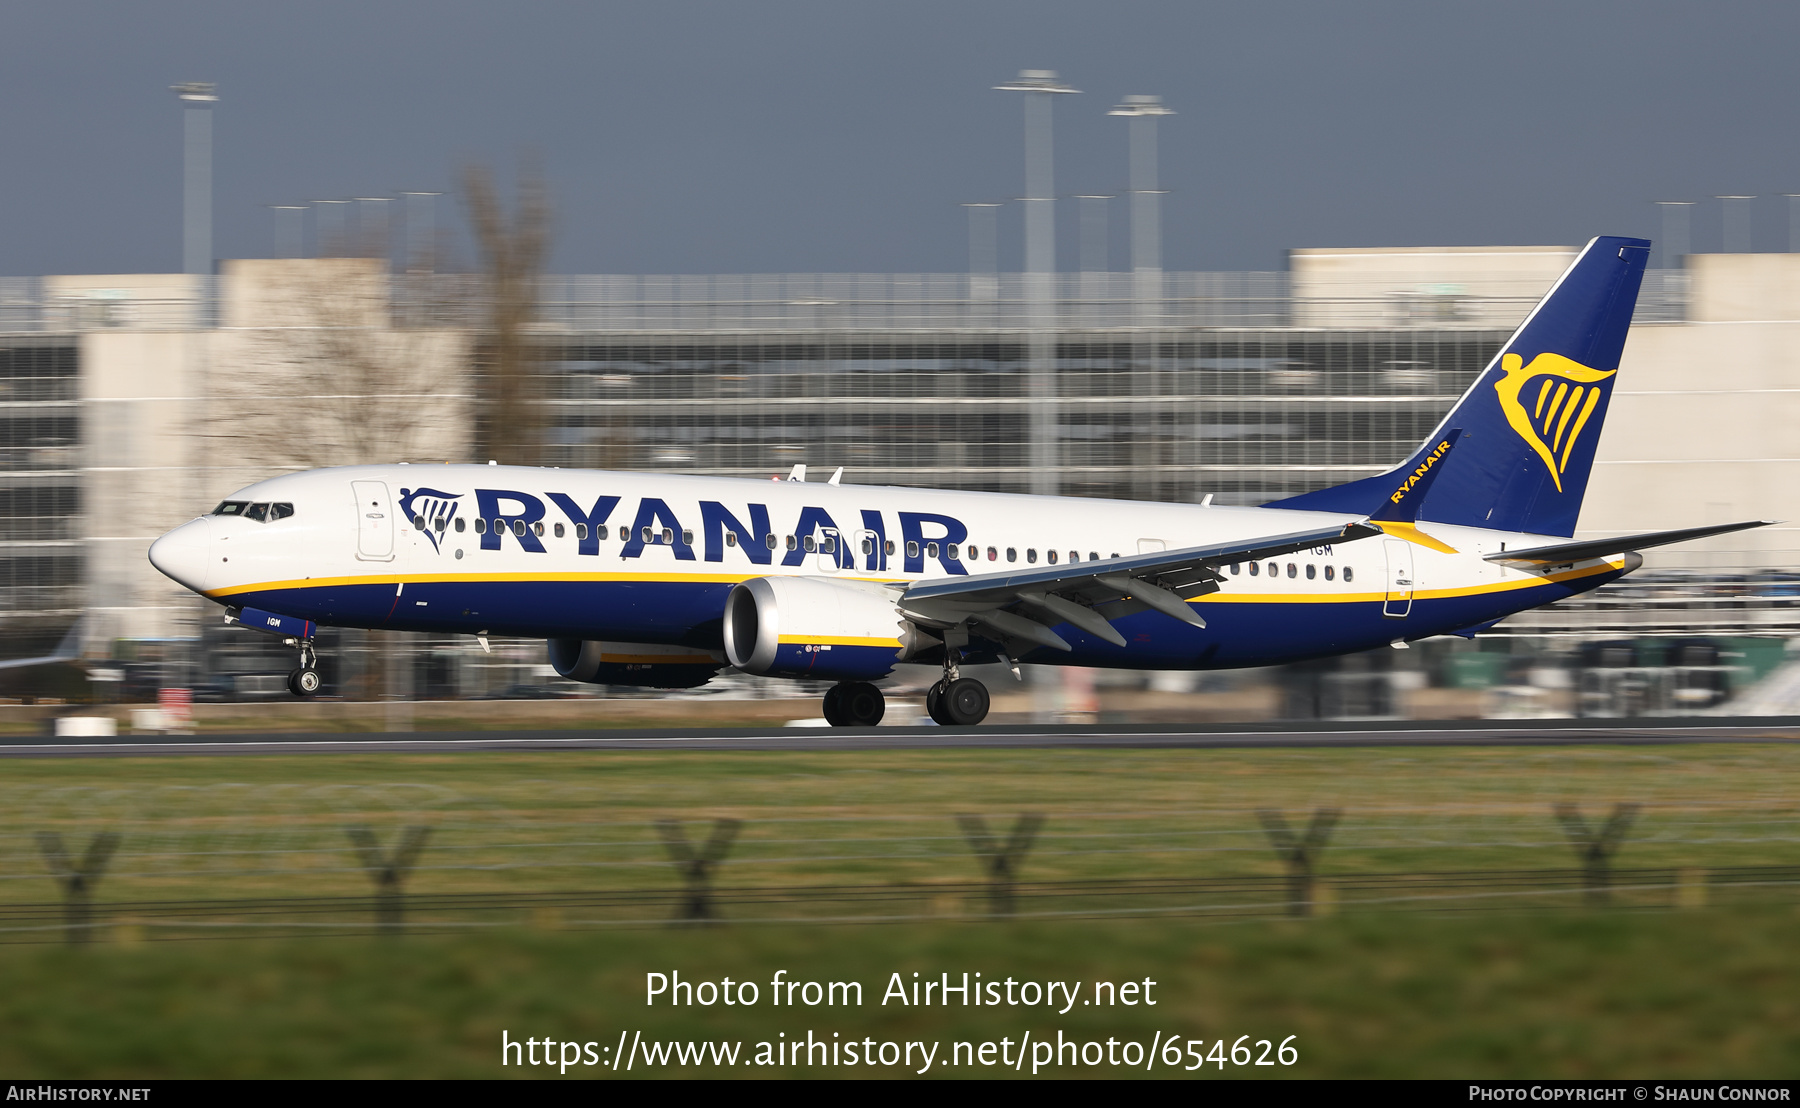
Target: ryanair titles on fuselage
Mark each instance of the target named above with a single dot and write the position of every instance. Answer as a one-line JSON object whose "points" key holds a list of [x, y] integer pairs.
{"points": [[504, 512]]}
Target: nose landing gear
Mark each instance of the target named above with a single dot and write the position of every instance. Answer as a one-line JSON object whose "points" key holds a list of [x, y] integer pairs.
{"points": [[305, 681]]}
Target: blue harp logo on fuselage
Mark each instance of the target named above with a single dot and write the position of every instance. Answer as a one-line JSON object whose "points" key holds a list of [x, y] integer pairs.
{"points": [[430, 505]]}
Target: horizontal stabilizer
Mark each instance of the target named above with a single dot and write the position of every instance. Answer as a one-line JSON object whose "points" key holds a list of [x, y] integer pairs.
{"points": [[1567, 552]]}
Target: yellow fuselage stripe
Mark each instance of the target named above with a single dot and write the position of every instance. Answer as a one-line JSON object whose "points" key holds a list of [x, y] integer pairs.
{"points": [[1223, 597]]}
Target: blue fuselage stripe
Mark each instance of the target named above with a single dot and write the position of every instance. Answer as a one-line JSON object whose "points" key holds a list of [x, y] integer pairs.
{"points": [[689, 613]]}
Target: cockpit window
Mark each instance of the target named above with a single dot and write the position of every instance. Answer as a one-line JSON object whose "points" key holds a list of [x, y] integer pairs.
{"points": [[261, 513]]}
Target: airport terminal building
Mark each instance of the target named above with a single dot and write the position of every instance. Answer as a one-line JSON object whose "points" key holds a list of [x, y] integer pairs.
{"points": [[132, 403]]}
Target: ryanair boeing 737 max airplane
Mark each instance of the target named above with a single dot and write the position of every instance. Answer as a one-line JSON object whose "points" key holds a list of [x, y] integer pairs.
{"points": [[663, 581]]}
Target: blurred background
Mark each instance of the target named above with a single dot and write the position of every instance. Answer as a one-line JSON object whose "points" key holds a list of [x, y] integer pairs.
{"points": [[1183, 270]]}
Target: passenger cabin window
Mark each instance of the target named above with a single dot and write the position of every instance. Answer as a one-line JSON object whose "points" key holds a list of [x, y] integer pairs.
{"points": [[1234, 569], [1328, 573], [1253, 566], [481, 526], [890, 548], [953, 551], [931, 549], [1050, 556], [1031, 555], [731, 538], [441, 522], [1309, 572], [1093, 557], [687, 537], [1348, 575], [993, 554], [912, 550], [581, 531], [519, 528], [811, 544], [1012, 553], [459, 523], [769, 540], [559, 530]]}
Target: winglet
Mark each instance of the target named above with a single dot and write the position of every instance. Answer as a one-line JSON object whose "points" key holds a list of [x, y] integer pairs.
{"points": [[1402, 505]]}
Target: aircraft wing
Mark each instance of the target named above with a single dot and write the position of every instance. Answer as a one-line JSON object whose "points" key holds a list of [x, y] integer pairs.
{"points": [[1540, 557], [1023, 606]]}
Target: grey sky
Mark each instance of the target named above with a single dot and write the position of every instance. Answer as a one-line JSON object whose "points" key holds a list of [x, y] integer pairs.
{"points": [[842, 136]]}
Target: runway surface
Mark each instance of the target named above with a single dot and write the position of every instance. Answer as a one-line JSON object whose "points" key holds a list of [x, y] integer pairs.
{"points": [[1656, 732]]}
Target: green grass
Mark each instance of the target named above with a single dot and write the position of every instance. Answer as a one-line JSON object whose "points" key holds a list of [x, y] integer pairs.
{"points": [[1506, 993], [1700, 994], [260, 826]]}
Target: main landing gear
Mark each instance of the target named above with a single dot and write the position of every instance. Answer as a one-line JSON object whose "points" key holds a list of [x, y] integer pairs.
{"points": [[956, 701], [854, 704], [305, 681]]}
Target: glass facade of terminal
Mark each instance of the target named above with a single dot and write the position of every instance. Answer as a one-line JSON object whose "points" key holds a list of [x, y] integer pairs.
{"points": [[1246, 416]]}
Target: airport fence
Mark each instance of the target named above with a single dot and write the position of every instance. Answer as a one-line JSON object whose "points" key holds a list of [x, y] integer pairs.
{"points": [[176, 863]]}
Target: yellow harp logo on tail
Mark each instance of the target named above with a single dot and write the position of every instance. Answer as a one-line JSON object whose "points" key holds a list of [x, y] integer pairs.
{"points": [[1551, 415]]}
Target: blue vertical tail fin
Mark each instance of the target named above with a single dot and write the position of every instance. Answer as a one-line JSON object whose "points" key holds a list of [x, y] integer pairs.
{"points": [[1532, 419]]}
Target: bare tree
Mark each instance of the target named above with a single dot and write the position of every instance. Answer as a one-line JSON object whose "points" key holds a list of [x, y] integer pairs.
{"points": [[312, 370], [512, 249]]}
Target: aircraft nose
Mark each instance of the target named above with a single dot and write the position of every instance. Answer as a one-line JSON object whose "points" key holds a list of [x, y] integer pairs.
{"points": [[184, 554]]}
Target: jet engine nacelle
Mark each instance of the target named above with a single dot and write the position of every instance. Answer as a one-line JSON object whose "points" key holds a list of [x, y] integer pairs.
{"points": [[632, 663], [815, 627]]}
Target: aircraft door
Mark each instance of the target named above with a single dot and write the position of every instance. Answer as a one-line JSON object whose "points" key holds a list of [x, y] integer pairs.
{"points": [[831, 547], [374, 521], [1399, 578]]}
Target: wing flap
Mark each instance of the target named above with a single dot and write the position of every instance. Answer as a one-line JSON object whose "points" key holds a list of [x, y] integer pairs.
{"points": [[1088, 595]]}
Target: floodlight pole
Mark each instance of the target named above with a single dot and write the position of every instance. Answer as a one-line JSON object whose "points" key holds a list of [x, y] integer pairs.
{"points": [[1676, 217], [1146, 203], [1737, 223], [1039, 85], [289, 229], [198, 98]]}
